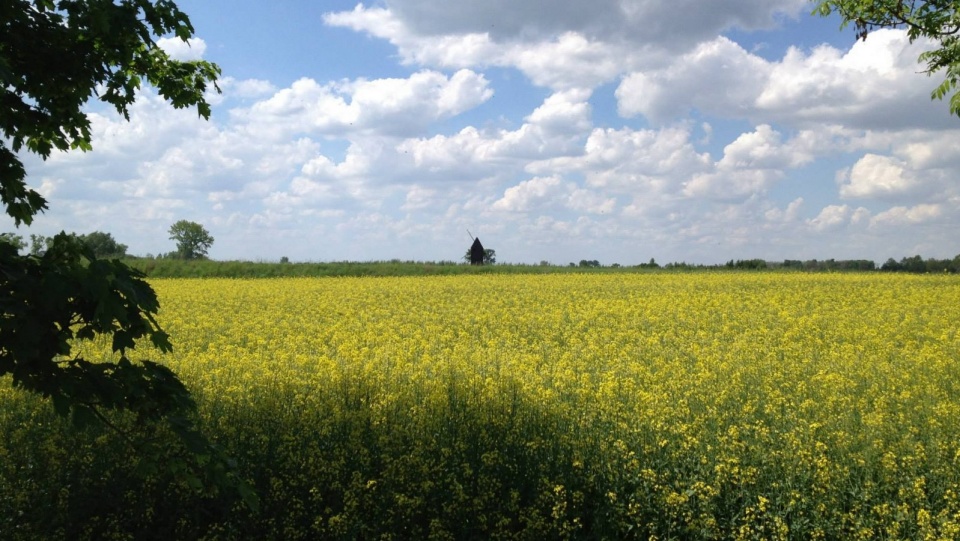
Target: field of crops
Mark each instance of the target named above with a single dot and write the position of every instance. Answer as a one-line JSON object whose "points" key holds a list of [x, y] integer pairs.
{"points": [[647, 406]]}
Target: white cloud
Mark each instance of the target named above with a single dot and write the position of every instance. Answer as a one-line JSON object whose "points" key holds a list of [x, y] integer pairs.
{"points": [[426, 93], [246, 88], [637, 21], [731, 184], [864, 87], [903, 216], [834, 217], [750, 165], [632, 161], [530, 193], [389, 106], [762, 149], [419, 198], [564, 61], [569, 61], [189, 50], [554, 128], [591, 202], [717, 76], [787, 215], [877, 176]]}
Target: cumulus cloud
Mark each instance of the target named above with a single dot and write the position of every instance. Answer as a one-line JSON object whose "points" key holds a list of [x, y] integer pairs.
{"points": [[638, 21], [246, 88], [834, 217], [762, 149], [903, 216], [732, 184], [718, 76], [877, 176], [568, 59], [864, 87], [928, 150], [632, 161], [750, 165], [189, 50], [529, 193], [390, 106], [787, 215], [591, 202], [554, 128]]}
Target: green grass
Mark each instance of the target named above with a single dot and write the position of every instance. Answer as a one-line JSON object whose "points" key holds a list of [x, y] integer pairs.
{"points": [[175, 268]]}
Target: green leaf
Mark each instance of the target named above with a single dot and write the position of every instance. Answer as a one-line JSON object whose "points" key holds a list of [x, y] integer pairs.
{"points": [[83, 416]]}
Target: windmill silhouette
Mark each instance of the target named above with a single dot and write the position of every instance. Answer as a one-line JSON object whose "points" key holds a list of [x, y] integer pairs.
{"points": [[476, 251]]}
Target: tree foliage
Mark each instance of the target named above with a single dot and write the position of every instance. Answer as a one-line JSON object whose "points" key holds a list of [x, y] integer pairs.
{"points": [[65, 295], [104, 245], [13, 239], [489, 256], [193, 241], [39, 244], [937, 20], [54, 57]]}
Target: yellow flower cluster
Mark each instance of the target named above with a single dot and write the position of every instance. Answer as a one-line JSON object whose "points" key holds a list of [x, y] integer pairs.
{"points": [[728, 405]]}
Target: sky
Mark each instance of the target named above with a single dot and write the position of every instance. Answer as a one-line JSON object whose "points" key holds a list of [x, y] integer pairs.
{"points": [[610, 130]]}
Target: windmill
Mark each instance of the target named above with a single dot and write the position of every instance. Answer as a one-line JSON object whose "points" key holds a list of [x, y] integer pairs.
{"points": [[476, 251]]}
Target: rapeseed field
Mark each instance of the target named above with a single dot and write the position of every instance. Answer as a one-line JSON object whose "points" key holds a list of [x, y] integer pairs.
{"points": [[596, 406]]}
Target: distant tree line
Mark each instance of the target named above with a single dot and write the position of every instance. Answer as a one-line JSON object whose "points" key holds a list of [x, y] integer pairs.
{"points": [[830, 265], [920, 265], [103, 245], [914, 264], [193, 242]]}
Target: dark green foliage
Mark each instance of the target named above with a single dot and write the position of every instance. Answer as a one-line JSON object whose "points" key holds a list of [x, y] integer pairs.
{"points": [[46, 302], [918, 265], [104, 245], [827, 265], [749, 264]]}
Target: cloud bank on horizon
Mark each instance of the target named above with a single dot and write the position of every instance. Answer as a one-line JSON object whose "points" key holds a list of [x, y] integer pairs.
{"points": [[612, 130]]}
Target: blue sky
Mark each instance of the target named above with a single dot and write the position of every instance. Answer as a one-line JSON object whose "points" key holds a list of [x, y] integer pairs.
{"points": [[612, 130]]}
